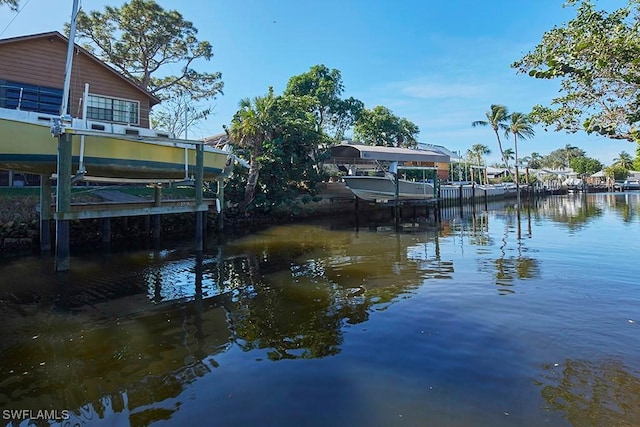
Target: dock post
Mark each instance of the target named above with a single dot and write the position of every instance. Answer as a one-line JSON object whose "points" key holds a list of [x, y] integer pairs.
{"points": [[63, 203], [438, 207], [45, 213], [106, 230], [199, 183], [156, 217], [220, 195]]}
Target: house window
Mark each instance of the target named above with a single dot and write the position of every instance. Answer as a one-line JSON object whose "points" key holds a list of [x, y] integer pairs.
{"points": [[20, 96], [113, 110]]}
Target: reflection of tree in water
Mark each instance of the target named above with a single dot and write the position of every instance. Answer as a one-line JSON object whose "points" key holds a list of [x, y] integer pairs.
{"points": [[574, 212], [508, 269], [593, 393], [306, 283], [627, 205]]}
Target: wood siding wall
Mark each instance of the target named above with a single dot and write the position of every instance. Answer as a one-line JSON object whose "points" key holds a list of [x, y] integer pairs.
{"points": [[41, 61]]}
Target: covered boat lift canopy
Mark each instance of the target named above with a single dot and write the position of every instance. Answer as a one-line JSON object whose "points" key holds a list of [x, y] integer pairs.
{"points": [[356, 153]]}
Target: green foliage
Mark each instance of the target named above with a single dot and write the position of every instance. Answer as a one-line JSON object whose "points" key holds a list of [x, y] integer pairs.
{"points": [[595, 56], [623, 160], [497, 117], [332, 114], [381, 127], [143, 41], [278, 135], [585, 165], [13, 4], [619, 173], [561, 157], [534, 160]]}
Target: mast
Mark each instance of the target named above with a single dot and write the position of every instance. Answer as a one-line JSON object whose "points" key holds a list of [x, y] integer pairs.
{"points": [[65, 158], [68, 66]]}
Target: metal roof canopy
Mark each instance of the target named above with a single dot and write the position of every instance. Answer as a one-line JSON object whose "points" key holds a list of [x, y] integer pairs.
{"points": [[354, 152]]}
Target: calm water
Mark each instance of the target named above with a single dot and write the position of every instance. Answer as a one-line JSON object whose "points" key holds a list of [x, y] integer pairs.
{"points": [[490, 320]]}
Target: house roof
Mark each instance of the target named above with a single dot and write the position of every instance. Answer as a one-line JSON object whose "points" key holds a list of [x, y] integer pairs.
{"points": [[454, 157], [217, 140], [369, 152], [154, 99]]}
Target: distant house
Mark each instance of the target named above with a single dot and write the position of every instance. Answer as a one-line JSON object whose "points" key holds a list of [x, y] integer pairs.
{"points": [[496, 173], [32, 78], [633, 175]]}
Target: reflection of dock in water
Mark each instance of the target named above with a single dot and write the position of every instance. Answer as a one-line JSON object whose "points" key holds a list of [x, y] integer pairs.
{"points": [[114, 337], [82, 363]]}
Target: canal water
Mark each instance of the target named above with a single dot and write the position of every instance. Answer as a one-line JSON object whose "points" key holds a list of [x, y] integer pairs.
{"points": [[496, 318]]}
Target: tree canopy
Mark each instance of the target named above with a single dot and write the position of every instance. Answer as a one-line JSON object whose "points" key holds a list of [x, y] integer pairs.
{"points": [[13, 4], [143, 41], [381, 127], [596, 57], [497, 117], [561, 158], [278, 135], [585, 165], [333, 115], [623, 160]]}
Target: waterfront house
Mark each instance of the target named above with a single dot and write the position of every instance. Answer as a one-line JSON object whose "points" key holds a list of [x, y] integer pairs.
{"points": [[32, 79]]}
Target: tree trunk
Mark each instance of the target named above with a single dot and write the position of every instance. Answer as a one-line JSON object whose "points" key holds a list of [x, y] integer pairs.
{"points": [[252, 180], [506, 163]]}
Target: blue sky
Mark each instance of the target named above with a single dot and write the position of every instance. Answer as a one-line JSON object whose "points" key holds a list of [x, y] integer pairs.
{"points": [[439, 63]]}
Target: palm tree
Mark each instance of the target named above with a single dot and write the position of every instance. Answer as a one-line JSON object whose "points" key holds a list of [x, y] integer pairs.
{"points": [[251, 127], [519, 127], [508, 154], [496, 118], [570, 152], [479, 151], [624, 160], [535, 160]]}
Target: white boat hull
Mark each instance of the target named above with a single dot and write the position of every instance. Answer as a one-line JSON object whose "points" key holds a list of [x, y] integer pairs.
{"points": [[382, 189]]}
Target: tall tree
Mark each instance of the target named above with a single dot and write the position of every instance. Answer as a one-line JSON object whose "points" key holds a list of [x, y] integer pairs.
{"points": [[479, 151], [623, 160], [333, 115], [509, 155], [535, 160], [497, 117], [251, 127], [585, 165], [146, 44], [13, 4], [381, 127], [561, 157], [520, 127], [178, 113], [595, 56]]}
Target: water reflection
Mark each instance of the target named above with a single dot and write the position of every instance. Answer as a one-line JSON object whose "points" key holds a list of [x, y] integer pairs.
{"points": [[85, 364], [603, 393], [125, 338], [323, 279], [574, 211]]}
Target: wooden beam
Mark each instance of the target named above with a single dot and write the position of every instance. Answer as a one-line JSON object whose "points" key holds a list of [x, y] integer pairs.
{"points": [[112, 213]]}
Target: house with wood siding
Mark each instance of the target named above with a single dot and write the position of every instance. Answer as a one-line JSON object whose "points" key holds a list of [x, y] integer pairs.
{"points": [[32, 71]]}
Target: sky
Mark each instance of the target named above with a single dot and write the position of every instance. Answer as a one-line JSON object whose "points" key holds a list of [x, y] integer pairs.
{"points": [[438, 63]]}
